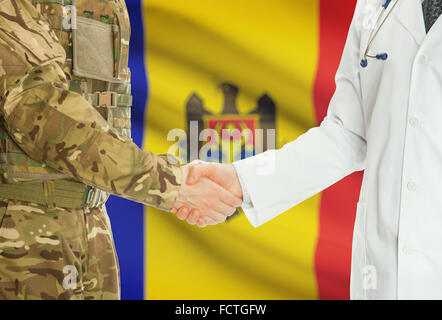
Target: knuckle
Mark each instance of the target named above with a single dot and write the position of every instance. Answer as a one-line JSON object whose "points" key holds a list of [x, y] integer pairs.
{"points": [[182, 213], [181, 216]]}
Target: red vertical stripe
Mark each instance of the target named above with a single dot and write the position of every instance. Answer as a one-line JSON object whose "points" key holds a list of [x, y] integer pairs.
{"points": [[338, 203]]}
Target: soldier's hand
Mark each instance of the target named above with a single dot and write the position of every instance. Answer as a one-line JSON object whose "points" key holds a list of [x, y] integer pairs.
{"points": [[224, 175], [202, 201]]}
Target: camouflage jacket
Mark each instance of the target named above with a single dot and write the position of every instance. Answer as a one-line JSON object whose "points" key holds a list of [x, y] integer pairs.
{"points": [[59, 128]]}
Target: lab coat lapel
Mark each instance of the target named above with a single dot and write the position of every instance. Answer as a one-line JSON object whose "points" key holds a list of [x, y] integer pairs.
{"points": [[409, 14]]}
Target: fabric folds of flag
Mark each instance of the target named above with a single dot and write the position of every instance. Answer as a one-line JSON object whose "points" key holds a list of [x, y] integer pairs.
{"points": [[256, 64]]}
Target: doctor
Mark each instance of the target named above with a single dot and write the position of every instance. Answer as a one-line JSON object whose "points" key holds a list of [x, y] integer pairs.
{"points": [[385, 117]]}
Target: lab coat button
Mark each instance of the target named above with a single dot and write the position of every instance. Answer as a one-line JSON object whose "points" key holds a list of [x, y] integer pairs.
{"points": [[423, 60], [414, 122], [411, 186], [407, 251]]}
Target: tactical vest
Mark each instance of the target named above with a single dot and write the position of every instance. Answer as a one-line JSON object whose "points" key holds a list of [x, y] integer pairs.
{"points": [[95, 37]]}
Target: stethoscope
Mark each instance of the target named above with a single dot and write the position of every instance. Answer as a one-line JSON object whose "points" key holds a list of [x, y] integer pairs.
{"points": [[382, 17]]}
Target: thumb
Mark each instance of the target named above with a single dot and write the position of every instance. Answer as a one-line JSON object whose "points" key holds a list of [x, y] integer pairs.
{"points": [[195, 174]]}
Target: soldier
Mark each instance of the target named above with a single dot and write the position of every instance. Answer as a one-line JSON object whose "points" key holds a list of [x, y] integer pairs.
{"points": [[65, 145]]}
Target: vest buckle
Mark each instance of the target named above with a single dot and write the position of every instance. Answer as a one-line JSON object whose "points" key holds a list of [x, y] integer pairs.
{"points": [[107, 99]]}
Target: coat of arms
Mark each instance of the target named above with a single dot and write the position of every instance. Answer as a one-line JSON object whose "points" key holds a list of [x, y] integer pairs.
{"points": [[231, 136]]}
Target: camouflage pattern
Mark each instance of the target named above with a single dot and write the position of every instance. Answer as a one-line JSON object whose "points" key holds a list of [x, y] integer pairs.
{"points": [[58, 127], [53, 127], [56, 253]]}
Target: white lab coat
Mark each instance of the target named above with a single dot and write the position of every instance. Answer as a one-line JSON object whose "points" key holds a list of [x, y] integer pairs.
{"points": [[386, 119]]}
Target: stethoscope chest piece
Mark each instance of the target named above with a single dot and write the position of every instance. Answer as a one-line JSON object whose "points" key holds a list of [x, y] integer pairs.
{"points": [[380, 56]]}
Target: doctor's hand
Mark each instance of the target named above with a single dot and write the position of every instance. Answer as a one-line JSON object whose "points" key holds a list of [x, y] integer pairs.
{"points": [[222, 174], [203, 199]]}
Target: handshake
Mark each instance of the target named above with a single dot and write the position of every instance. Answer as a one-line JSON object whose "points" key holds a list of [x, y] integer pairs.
{"points": [[209, 194]]}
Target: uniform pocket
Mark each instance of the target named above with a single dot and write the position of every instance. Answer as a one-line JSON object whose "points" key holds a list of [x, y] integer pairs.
{"points": [[39, 256], [29, 231], [94, 51]]}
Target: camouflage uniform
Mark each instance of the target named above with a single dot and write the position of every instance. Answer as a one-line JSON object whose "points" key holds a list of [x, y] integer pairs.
{"points": [[64, 136]]}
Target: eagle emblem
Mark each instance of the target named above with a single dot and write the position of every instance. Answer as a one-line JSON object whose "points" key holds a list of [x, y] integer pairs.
{"points": [[231, 136]]}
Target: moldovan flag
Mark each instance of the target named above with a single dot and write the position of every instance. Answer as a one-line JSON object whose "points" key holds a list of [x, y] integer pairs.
{"points": [[252, 64]]}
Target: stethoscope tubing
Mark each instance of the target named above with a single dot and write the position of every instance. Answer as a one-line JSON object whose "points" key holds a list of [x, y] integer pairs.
{"points": [[380, 21]]}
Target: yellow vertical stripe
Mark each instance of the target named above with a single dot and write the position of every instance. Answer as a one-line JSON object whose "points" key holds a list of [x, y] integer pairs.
{"points": [[262, 47]]}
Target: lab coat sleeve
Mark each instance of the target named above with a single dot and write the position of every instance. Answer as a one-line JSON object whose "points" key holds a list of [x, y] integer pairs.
{"points": [[277, 180]]}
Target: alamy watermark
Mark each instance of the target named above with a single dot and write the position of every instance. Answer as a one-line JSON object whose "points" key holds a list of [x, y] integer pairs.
{"points": [[370, 279], [69, 17], [70, 278], [224, 146]]}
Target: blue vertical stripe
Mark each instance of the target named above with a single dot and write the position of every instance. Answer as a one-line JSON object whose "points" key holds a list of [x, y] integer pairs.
{"points": [[127, 217]]}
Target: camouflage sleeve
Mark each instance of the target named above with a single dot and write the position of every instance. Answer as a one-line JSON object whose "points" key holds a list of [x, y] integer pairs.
{"points": [[60, 128]]}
